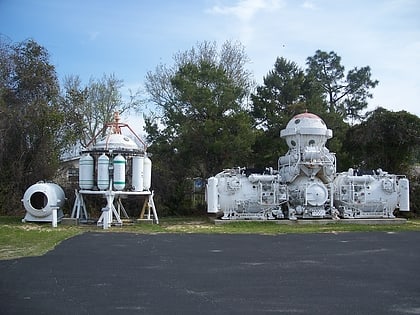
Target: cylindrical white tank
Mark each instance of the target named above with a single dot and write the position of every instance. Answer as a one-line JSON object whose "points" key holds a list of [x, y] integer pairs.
{"points": [[147, 179], [138, 173], [212, 195], [255, 178], [362, 179], [86, 167], [41, 198], [103, 172], [119, 172], [404, 194]]}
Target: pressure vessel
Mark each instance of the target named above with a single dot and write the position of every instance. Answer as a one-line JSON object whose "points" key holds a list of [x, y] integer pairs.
{"points": [[212, 195], [86, 171], [119, 172], [41, 198], [147, 178], [103, 172], [255, 178], [404, 188], [138, 173]]}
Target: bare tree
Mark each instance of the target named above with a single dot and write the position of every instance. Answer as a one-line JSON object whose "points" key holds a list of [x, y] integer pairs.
{"points": [[93, 105]]}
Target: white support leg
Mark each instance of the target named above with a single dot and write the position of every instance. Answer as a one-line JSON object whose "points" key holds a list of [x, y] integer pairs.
{"points": [[106, 217], [76, 206], [152, 205], [79, 207], [54, 217]]}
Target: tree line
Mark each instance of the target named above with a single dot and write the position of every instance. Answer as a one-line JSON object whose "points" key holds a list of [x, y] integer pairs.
{"points": [[208, 114]]}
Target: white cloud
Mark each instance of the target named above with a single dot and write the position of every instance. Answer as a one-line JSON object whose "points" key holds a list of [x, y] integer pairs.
{"points": [[308, 5], [245, 10], [362, 34], [245, 18]]}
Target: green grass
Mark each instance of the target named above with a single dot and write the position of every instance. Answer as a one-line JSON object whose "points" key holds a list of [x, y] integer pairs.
{"points": [[19, 239], [205, 225]]}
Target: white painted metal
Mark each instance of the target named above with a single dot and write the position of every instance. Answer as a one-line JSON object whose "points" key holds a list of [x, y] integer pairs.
{"points": [[306, 184], [404, 194], [147, 179], [211, 195], [123, 170], [41, 199], [54, 217], [366, 196], [103, 172], [119, 172], [86, 169], [115, 141], [239, 195], [138, 173]]}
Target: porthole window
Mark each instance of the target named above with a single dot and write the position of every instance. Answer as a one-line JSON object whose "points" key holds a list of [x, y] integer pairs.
{"points": [[293, 143], [311, 142], [297, 121]]}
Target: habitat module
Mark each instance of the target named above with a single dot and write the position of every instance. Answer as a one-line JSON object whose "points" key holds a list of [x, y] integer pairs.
{"points": [[114, 167], [306, 184]]}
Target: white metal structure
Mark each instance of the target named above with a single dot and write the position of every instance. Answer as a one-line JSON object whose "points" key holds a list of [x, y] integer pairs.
{"points": [[122, 170], [306, 184], [43, 202], [370, 195]]}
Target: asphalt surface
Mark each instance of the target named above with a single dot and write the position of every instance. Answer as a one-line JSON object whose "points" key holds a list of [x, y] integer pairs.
{"points": [[121, 273]]}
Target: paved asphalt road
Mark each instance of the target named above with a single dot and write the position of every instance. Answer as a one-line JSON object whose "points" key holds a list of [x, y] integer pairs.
{"points": [[120, 273]]}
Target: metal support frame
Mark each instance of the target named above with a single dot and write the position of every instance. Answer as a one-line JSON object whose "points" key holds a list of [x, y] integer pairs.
{"points": [[79, 207], [150, 205], [113, 214]]}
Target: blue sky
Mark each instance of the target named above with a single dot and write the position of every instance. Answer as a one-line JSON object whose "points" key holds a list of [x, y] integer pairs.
{"points": [[90, 38]]}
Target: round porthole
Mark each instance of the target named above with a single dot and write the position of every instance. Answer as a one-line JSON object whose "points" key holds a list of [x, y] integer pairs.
{"points": [[293, 143], [297, 121], [311, 142]]}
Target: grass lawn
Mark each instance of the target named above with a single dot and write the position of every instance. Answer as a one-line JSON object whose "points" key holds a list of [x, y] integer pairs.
{"points": [[19, 239]]}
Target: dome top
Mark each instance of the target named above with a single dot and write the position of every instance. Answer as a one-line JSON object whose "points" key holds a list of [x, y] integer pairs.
{"points": [[116, 141], [306, 115], [306, 129], [306, 124]]}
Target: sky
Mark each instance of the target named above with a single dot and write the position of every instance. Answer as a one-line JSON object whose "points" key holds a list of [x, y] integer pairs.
{"points": [[128, 38]]}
